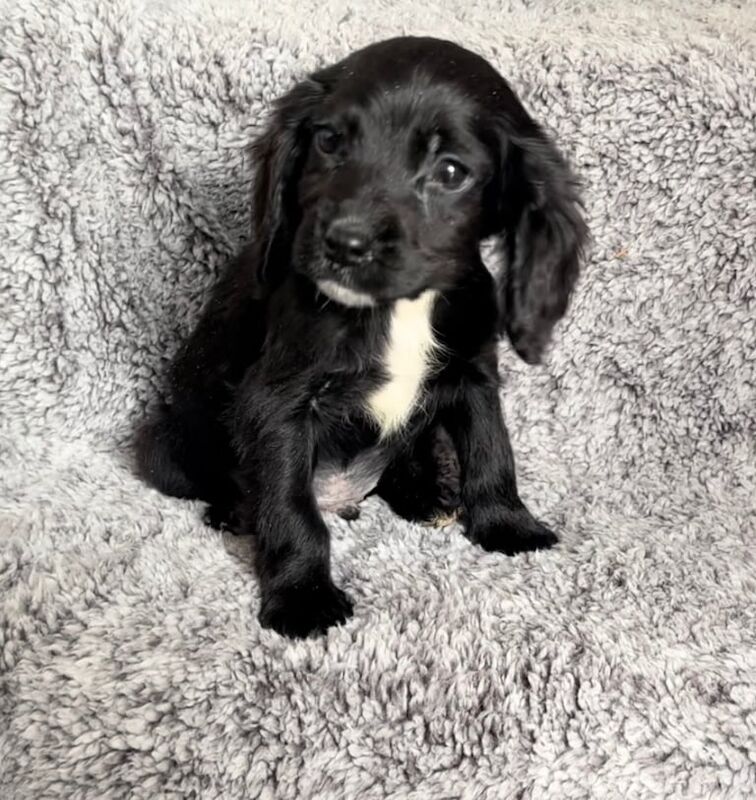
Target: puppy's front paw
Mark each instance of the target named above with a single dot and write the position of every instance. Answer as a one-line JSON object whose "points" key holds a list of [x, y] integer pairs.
{"points": [[514, 531], [305, 609]]}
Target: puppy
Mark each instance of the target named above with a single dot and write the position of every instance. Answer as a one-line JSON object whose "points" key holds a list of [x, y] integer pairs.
{"points": [[352, 347]]}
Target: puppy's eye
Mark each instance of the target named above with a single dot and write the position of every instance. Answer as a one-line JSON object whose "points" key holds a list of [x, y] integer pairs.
{"points": [[450, 174], [327, 140]]}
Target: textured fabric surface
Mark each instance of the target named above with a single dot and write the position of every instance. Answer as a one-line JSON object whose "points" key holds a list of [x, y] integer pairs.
{"points": [[620, 665]]}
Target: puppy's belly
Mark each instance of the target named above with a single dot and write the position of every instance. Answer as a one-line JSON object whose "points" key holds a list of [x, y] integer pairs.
{"points": [[337, 487], [407, 360]]}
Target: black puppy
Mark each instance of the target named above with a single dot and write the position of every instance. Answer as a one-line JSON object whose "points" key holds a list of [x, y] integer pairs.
{"points": [[361, 325]]}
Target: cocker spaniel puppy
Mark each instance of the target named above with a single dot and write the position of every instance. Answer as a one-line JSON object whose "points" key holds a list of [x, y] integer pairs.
{"points": [[352, 348]]}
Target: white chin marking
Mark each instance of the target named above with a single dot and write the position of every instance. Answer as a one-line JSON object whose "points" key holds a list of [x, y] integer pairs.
{"points": [[345, 295]]}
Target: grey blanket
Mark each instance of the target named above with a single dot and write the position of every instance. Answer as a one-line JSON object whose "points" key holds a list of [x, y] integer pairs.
{"points": [[620, 665]]}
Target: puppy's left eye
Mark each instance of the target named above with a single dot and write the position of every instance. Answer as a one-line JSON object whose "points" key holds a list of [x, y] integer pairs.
{"points": [[450, 174], [327, 140]]}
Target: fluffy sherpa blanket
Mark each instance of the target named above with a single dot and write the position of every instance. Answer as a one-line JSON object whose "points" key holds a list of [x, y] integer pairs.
{"points": [[620, 665]]}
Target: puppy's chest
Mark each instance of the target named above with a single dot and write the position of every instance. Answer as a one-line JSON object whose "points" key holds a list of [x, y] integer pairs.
{"points": [[407, 360]]}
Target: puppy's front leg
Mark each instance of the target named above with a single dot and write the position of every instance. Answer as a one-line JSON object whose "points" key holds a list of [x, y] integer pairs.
{"points": [[496, 517], [276, 446]]}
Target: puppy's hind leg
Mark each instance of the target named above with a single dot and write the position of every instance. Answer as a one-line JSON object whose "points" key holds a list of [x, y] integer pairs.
{"points": [[161, 454], [421, 483], [183, 452]]}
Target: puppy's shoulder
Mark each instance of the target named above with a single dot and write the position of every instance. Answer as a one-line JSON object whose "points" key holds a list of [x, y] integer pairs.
{"points": [[465, 315]]}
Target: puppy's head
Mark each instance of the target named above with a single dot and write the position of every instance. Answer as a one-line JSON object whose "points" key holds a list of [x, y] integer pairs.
{"points": [[379, 176]]}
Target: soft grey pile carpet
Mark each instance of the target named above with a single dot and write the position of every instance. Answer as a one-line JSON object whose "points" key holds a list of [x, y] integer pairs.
{"points": [[620, 665]]}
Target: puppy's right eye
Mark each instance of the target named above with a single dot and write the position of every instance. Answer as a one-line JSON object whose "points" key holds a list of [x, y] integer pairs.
{"points": [[450, 174], [327, 140]]}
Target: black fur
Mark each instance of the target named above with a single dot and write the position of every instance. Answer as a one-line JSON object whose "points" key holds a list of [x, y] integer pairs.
{"points": [[381, 174]]}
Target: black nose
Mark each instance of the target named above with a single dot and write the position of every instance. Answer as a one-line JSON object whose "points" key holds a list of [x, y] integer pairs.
{"points": [[348, 241]]}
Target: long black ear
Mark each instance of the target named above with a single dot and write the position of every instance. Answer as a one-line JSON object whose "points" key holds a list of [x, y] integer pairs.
{"points": [[540, 217], [279, 154]]}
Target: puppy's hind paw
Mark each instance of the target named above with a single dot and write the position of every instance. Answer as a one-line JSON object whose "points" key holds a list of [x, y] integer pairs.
{"points": [[516, 531], [443, 519], [221, 518], [349, 513]]}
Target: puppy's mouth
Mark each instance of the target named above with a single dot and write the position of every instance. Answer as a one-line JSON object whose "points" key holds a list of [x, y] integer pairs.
{"points": [[341, 293], [364, 286], [341, 283]]}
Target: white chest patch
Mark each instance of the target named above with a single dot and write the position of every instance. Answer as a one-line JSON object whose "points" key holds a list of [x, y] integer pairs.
{"points": [[407, 361]]}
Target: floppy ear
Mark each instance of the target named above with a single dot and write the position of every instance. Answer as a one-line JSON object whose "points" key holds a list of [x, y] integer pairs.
{"points": [[540, 217], [279, 154]]}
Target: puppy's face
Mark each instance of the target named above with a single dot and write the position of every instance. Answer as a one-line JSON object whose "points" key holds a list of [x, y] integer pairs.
{"points": [[378, 177], [391, 191]]}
